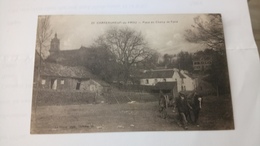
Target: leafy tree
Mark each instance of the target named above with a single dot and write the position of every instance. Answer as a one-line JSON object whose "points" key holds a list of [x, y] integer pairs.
{"points": [[218, 74], [184, 61], [168, 61]]}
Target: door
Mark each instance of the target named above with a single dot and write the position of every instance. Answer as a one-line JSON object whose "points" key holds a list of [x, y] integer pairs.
{"points": [[54, 84]]}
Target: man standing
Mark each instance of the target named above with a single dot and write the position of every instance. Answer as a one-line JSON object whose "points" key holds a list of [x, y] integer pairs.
{"points": [[197, 105], [183, 109], [163, 104]]}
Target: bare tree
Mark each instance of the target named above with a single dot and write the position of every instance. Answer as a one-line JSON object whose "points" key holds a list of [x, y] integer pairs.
{"points": [[128, 45], [43, 37], [208, 30]]}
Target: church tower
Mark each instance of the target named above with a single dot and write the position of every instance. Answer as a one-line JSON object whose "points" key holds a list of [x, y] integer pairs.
{"points": [[55, 45]]}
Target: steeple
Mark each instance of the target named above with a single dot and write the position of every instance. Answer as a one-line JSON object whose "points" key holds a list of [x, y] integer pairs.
{"points": [[55, 45]]}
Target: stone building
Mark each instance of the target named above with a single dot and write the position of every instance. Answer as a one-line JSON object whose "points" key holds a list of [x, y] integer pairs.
{"points": [[62, 70], [202, 63], [60, 77]]}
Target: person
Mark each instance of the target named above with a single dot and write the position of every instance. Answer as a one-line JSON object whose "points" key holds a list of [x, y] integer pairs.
{"points": [[163, 104], [183, 108], [196, 107]]}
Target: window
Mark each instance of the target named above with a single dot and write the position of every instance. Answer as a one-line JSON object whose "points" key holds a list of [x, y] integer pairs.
{"points": [[62, 82], [155, 81], [92, 88], [43, 82], [78, 85]]}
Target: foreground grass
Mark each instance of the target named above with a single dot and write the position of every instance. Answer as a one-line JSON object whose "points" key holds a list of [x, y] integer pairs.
{"points": [[100, 118], [216, 114]]}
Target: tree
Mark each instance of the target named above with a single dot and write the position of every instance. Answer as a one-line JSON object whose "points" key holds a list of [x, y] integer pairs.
{"points": [[151, 62], [209, 31], [43, 37], [44, 33], [101, 62], [168, 61], [218, 74], [184, 61], [128, 46]]}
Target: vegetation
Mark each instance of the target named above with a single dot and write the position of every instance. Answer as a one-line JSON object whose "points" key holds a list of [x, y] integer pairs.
{"points": [[43, 37], [182, 60], [53, 97], [125, 47], [209, 31]]}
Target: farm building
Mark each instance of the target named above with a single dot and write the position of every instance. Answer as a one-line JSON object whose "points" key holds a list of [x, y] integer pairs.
{"points": [[60, 77], [183, 81]]}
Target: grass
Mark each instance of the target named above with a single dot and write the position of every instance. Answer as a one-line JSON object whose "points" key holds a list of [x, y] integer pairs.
{"points": [[217, 113], [51, 97], [141, 115]]}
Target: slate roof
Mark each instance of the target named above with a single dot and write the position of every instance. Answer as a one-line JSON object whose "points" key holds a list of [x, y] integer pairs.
{"points": [[101, 82], [69, 57], [52, 69], [160, 74]]}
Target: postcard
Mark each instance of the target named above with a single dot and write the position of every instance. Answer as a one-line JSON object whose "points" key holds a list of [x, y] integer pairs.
{"points": [[130, 73]]}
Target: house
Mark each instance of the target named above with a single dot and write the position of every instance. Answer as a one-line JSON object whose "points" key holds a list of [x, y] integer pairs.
{"points": [[202, 63], [183, 80], [59, 77]]}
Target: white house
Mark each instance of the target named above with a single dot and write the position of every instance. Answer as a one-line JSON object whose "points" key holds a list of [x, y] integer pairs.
{"points": [[183, 80]]}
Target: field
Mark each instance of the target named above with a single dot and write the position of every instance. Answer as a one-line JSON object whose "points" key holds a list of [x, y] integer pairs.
{"points": [[122, 115]]}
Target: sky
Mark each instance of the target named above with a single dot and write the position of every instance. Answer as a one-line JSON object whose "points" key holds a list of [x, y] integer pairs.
{"points": [[164, 33]]}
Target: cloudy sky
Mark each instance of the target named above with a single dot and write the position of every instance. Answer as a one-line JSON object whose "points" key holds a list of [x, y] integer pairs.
{"points": [[164, 33]]}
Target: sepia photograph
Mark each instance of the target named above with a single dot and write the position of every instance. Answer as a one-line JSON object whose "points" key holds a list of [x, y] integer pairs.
{"points": [[130, 73]]}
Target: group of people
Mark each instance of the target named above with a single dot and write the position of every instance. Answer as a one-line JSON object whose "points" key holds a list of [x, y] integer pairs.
{"points": [[188, 110]]}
